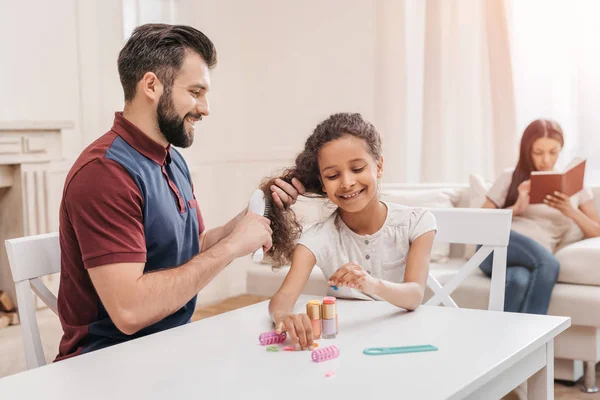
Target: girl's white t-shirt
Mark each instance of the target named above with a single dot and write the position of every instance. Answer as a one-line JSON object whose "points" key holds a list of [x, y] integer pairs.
{"points": [[540, 222], [382, 254]]}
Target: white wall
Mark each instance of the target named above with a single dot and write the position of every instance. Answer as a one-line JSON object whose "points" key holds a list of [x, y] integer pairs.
{"points": [[59, 63], [39, 65]]}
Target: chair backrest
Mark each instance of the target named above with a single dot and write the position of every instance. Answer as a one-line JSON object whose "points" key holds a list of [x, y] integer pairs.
{"points": [[487, 227], [31, 258]]}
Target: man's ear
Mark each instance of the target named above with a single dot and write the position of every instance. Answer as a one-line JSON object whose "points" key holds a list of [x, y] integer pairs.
{"points": [[380, 167], [151, 86]]}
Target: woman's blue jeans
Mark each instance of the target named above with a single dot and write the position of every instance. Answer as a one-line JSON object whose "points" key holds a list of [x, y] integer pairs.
{"points": [[531, 272]]}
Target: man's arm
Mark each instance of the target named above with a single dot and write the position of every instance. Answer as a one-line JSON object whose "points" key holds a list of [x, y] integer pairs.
{"points": [[135, 300], [213, 236]]}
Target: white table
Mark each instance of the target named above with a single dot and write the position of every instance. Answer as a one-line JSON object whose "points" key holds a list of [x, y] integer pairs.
{"points": [[482, 354]]}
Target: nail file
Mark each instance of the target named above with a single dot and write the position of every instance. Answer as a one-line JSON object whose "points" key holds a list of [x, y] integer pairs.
{"points": [[379, 351]]}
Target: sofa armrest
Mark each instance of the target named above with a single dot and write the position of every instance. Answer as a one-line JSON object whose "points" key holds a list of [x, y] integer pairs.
{"points": [[580, 262]]}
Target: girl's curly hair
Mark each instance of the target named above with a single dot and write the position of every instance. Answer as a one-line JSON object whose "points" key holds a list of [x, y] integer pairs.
{"points": [[285, 225]]}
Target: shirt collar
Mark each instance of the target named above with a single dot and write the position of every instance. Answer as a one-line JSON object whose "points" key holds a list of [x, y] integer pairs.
{"points": [[140, 141]]}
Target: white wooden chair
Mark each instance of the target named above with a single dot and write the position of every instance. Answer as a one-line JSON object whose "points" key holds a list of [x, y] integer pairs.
{"points": [[486, 227], [30, 258]]}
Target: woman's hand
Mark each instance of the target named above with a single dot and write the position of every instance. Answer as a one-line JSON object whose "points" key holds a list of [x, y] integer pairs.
{"points": [[298, 328], [562, 203], [355, 277], [523, 199]]}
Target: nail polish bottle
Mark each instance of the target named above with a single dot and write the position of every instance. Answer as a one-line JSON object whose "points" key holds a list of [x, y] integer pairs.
{"points": [[313, 310], [329, 313]]}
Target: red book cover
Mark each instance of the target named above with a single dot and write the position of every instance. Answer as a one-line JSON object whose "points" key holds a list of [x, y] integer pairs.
{"points": [[569, 182]]}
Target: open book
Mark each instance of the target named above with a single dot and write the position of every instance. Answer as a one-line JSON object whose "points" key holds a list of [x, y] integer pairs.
{"points": [[568, 182]]}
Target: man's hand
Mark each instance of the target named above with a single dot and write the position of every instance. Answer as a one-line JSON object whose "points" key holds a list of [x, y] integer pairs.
{"points": [[355, 277], [284, 195], [249, 234]]}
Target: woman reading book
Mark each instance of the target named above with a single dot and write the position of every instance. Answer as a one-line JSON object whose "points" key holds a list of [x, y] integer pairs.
{"points": [[537, 230]]}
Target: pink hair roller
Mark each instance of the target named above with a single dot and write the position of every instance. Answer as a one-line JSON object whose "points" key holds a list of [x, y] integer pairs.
{"points": [[325, 353], [267, 338]]}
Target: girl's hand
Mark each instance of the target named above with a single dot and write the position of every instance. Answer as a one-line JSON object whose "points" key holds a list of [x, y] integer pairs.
{"points": [[523, 199], [355, 277], [298, 328], [284, 195], [562, 203]]}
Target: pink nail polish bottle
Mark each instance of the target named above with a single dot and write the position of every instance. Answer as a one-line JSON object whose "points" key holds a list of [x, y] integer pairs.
{"points": [[313, 310], [329, 313]]}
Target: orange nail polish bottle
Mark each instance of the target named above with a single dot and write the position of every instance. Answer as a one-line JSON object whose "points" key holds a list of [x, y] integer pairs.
{"points": [[313, 310]]}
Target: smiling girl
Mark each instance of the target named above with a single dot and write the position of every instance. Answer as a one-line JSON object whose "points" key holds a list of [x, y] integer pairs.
{"points": [[368, 248]]}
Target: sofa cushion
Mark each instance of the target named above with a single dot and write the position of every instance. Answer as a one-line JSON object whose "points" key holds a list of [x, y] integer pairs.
{"points": [[478, 188], [580, 262], [428, 198], [262, 280], [575, 301]]}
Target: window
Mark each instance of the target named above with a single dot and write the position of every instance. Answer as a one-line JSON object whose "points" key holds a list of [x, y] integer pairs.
{"points": [[139, 12], [556, 58]]}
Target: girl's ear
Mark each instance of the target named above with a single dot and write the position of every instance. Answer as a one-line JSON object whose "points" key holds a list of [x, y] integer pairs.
{"points": [[380, 167]]}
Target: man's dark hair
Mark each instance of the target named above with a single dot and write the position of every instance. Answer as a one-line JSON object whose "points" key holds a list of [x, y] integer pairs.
{"points": [[160, 48]]}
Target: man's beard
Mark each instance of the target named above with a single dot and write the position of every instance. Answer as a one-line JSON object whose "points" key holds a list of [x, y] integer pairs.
{"points": [[169, 123]]}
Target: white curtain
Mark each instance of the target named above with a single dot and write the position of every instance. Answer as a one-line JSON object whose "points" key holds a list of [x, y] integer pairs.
{"points": [[468, 101], [445, 95], [555, 50]]}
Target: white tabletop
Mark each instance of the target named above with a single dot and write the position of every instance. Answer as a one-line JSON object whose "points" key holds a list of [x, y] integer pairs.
{"points": [[220, 357]]}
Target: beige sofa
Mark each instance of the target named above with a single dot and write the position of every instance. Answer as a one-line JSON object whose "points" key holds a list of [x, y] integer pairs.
{"points": [[577, 293]]}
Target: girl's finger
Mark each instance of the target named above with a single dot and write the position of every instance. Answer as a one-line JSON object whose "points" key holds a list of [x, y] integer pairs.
{"points": [[280, 327], [300, 332], [290, 190], [291, 331], [277, 200], [338, 274], [298, 185], [350, 276], [356, 281], [347, 277], [308, 329], [285, 198]]}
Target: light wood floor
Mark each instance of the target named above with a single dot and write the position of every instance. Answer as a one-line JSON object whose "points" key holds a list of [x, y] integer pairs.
{"points": [[232, 303], [561, 392]]}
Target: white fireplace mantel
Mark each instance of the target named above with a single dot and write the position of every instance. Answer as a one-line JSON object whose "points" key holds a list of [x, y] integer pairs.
{"points": [[27, 151]]}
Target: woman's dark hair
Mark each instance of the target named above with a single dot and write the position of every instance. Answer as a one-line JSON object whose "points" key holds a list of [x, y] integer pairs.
{"points": [[286, 228], [160, 48], [537, 129]]}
